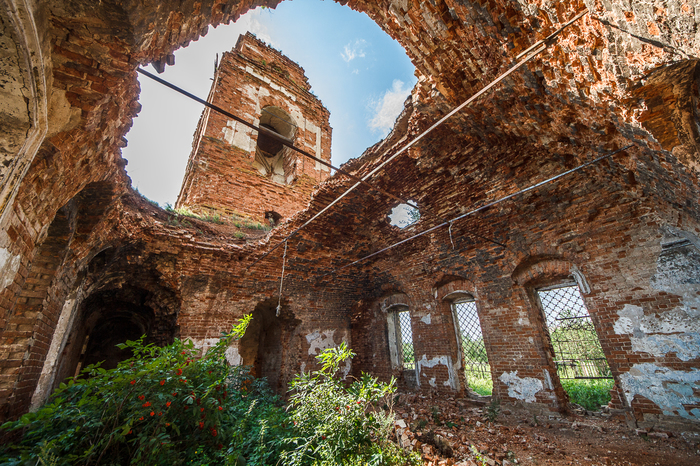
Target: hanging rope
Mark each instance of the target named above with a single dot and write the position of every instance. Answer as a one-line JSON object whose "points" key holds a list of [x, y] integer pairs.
{"points": [[284, 261]]}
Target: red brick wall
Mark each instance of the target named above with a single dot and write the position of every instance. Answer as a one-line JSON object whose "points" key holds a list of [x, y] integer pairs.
{"points": [[221, 175]]}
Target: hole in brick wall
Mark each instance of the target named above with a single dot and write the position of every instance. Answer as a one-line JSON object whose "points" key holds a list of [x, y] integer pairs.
{"points": [[404, 215], [273, 218]]}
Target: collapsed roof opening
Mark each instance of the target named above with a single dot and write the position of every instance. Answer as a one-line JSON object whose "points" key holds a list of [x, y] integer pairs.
{"points": [[352, 73]]}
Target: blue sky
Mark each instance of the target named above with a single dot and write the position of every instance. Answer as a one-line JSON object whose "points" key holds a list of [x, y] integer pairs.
{"points": [[360, 74]]}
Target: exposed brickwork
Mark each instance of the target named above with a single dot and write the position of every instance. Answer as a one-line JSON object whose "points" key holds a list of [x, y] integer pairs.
{"points": [[627, 227], [223, 174]]}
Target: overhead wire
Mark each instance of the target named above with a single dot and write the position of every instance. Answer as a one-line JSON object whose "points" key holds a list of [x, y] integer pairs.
{"points": [[479, 209], [531, 52], [268, 132]]}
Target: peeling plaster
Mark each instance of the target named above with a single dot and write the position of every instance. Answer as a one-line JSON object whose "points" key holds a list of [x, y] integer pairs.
{"points": [[320, 341], [231, 353], [521, 388], [660, 334], [678, 269], [9, 265], [446, 361], [237, 136], [426, 319], [669, 389], [232, 356]]}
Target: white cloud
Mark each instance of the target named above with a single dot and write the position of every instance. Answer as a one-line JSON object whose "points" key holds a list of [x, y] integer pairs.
{"points": [[354, 50], [251, 22], [389, 107]]}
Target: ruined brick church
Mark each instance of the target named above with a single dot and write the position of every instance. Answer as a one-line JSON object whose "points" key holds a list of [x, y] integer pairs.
{"points": [[85, 262]]}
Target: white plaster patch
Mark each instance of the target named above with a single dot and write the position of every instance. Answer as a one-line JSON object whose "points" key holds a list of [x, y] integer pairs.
{"points": [[320, 341], [9, 265], [623, 325], [237, 135], [659, 334], [669, 389], [204, 344], [685, 345], [446, 361], [678, 269], [232, 356], [426, 319], [432, 383], [521, 388]]}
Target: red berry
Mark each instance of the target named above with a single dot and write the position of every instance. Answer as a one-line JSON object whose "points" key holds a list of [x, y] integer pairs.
{"points": [[221, 408], [201, 424]]}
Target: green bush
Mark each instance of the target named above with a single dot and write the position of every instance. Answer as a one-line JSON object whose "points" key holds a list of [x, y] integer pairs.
{"points": [[590, 394], [162, 406], [339, 425], [168, 406]]}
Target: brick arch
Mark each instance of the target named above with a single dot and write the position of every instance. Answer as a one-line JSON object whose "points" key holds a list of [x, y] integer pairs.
{"points": [[30, 322], [538, 271], [393, 301], [455, 289]]}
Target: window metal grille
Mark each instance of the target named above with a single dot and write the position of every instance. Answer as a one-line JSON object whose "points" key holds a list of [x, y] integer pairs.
{"points": [[577, 350], [476, 363], [405, 340]]}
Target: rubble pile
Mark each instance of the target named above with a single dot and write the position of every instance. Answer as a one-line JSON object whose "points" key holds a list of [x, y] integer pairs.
{"points": [[466, 432]]}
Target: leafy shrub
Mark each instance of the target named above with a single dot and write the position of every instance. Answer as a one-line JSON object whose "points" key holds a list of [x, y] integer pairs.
{"points": [[168, 406], [590, 394], [162, 406], [337, 425]]}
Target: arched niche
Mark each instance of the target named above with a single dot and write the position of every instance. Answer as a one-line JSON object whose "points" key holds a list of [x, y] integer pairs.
{"points": [[261, 346], [272, 158]]}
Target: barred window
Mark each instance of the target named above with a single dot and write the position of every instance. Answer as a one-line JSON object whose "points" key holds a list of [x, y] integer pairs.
{"points": [[477, 369]]}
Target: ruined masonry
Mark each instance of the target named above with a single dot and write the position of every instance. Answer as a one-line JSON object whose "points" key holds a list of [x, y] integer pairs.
{"points": [[234, 171], [86, 262]]}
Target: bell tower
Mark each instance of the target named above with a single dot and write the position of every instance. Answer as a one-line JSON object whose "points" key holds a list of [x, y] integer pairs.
{"points": [[233, 170]]}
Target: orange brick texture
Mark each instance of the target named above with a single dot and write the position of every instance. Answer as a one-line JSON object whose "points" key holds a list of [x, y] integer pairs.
{"points": [[81, 251]]}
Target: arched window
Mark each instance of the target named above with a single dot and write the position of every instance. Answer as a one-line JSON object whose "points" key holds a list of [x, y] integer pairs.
{"points": [[401, 338], [577, 350], [477, 370], [272, 158]]}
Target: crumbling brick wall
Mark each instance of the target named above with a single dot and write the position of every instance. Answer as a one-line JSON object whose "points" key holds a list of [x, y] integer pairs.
{"points": [[223, 174], [629, 225]]}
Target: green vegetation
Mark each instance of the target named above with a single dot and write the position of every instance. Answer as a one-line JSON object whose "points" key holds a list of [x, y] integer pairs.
{"points": [[337, 425], [185, 212], [493, 410], [590, 394], [409, 357], [151, 201], [481, 385], [169, 406]]}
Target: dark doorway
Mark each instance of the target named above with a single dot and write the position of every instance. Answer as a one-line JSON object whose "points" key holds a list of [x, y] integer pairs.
{"points": [[261, 347]]}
